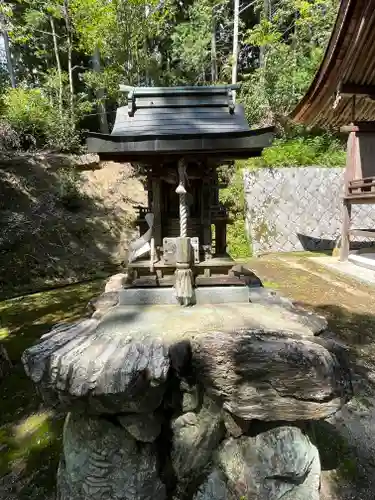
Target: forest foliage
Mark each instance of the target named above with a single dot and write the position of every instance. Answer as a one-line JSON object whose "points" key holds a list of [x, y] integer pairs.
{"points": [[68, 58]]}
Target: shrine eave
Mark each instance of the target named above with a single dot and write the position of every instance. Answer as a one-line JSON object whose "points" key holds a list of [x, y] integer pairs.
{"points": [[232, 145], [343, 90]]}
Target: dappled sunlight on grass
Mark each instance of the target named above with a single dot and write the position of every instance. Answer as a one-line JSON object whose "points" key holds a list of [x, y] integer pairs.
{"points": [[25, 319], [30, 436], [31, 425], [271, 284], [31, 447]]}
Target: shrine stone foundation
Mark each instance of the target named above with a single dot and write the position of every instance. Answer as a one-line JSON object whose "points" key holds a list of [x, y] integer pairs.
{"points": [[206, 403], [188, 380]]}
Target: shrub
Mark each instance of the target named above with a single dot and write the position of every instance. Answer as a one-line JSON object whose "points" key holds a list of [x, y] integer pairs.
{"points": [[233, 197], [69, 193], [26, 111], [37, 122], [9, 138], [62, 135], [321, 150], [239, 245]]}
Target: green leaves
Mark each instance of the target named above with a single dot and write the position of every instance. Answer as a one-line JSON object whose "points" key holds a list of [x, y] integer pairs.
{"points": [[191, 41], [263, 34], [320, 150], [291, 40], [94, 22]]}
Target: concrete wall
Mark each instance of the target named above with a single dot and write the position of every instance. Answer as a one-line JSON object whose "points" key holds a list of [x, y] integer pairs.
{"points": [[296, 209]]}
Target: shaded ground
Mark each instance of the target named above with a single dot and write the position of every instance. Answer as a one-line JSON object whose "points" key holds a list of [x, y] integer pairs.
{"points": [[30, 436], [347, 441]]}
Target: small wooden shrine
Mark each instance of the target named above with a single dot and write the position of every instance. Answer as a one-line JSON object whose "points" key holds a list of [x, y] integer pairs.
{"points": [[178, 138], [342, 96]]}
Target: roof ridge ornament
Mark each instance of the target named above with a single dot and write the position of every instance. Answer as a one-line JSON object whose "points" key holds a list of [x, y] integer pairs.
{"points": [[210, 95]]}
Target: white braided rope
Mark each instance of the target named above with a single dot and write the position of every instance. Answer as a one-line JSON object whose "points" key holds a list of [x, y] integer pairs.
{"points": [[183, 203], [183, 216]]}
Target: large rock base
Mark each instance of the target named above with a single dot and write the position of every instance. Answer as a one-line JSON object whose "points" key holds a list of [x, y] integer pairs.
{"points": [[102, 461], [200, 403]]}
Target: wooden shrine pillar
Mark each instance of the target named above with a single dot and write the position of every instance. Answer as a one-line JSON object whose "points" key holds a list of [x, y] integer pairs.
{"points": [[359, 177], [345, 228], [221, 237], [346, 205], [206, 214], [156, 209]]}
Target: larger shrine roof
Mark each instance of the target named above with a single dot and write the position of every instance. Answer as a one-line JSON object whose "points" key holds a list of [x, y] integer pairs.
{"points": [[181, 120], [343, 90]]}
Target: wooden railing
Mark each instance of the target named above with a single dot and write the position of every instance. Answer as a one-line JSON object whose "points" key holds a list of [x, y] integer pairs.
{"points": [[218, 212], [361, 188], [142, 211]]}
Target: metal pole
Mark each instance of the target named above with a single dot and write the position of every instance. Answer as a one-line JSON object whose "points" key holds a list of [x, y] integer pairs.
{"points": [[235, 44]]}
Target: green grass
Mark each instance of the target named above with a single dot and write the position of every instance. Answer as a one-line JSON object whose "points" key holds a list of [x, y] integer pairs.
{"points": [[30, 435], [271, 284]]}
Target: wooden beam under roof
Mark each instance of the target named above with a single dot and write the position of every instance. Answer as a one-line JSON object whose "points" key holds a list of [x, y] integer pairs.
{"points": [[355, 89], [348, 59]]}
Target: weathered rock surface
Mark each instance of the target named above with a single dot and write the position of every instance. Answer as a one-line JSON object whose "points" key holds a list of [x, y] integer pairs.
{"points": [[104, 303], [190, 402], [195, 437], [116, 282], [279, 463], [144, 427], [174, 324], [270, 375], [191, 396], [312, 322], [214, 488], [235, 426], [128, 373], [99, 371], [103, 462]]}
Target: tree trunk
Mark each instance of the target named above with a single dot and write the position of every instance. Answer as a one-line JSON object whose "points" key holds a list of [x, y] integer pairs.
{"points": [[146, 47], [70, 50], [213, 50], [5, 364], [100, 95], [9, 58], [266, 14], [58, 62], [235, 44]]}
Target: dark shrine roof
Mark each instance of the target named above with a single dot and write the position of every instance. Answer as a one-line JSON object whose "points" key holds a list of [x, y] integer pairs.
{"points": [[343, 90], [175, 121]]}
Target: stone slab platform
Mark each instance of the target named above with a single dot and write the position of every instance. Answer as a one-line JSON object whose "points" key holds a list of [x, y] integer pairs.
{"points": [[171, 322], [348, 269], [364, 259], [166, 296], [121, 362]]}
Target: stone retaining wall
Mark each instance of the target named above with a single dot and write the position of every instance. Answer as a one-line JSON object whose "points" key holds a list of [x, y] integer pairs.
{"points": [[297, 208]]}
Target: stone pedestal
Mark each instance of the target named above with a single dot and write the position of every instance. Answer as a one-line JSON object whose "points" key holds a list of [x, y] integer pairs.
{"points": [[201, 403]]}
